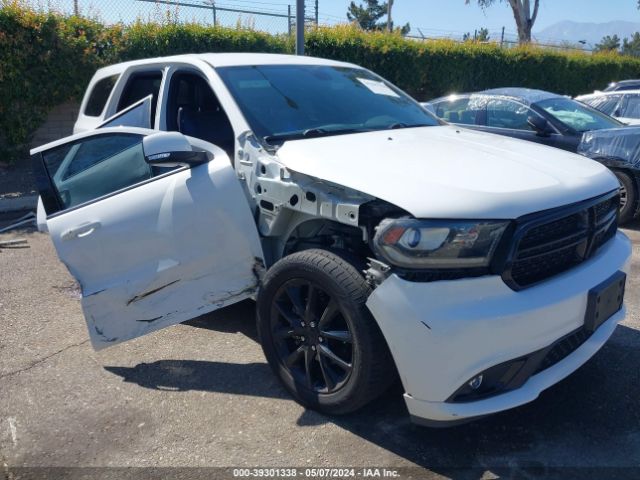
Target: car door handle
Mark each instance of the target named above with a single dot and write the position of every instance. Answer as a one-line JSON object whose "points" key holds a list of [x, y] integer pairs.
{"points": [[80, 231]]}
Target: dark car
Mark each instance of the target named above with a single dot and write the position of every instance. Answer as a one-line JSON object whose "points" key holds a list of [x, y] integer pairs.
{"points": [[623, 85], [553, 120]]}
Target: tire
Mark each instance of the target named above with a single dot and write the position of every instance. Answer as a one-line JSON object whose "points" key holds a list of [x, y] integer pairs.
{"points": [[322, 286], [628, 196]]}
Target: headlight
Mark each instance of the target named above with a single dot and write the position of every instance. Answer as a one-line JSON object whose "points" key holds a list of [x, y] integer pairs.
{"points": [[419, 244]]}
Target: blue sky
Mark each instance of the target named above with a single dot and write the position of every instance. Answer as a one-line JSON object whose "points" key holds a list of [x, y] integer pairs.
{"points": [[456, 17], [435, 18]]}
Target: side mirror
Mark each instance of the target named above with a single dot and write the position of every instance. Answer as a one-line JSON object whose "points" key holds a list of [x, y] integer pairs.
{"points": [[540, 125], [171, 149]]}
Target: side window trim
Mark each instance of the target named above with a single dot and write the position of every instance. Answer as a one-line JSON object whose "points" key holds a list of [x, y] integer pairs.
{"points": [[44, 184]]}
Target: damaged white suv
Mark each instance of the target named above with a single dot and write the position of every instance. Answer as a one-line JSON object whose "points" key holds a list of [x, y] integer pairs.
{"points": [[377, 241]]}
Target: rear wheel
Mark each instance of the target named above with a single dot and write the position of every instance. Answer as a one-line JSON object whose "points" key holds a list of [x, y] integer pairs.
{"points": [[318, 335], [628, 196]]}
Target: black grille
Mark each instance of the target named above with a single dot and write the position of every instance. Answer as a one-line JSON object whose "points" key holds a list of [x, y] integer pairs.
{"points": [[563, 348], [550, 243]]}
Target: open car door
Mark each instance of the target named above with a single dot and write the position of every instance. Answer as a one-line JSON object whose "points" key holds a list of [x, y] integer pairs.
{"points": [[151, 245]]}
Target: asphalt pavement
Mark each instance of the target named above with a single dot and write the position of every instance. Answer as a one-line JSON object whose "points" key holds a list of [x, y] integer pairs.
{"points": [[200, 394]]}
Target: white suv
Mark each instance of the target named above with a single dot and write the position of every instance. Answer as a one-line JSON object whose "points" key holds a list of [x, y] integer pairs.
{"points": [[376, 240]]}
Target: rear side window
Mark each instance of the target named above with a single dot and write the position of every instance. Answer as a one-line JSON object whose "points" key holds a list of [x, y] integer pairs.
{"points": [[624, 88], [99, 96], [605, 103], [631, 107], [456, 111], [139, 86]]}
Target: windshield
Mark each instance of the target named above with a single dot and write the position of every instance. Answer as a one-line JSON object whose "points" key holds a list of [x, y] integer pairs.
{"points": [[581, 118], [283, 102]]}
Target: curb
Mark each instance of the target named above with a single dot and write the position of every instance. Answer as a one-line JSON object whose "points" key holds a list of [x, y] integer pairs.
{"points": [[17, 204]]}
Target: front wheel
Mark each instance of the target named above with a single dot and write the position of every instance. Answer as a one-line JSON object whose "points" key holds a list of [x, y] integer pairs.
{"points": [[317, 334], [628, 196]]}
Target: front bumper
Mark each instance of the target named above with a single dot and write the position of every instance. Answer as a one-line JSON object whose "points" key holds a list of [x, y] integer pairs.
{"points": [[443, 333]]}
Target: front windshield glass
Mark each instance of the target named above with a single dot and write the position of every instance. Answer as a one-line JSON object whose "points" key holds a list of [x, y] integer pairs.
{"points": [[282, 102], [576, 115]]}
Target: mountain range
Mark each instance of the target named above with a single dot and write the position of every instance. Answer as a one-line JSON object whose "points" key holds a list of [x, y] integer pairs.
{"points": [[591, 33]]}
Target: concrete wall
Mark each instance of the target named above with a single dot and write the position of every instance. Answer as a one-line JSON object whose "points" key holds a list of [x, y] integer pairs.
{"points": [[58, 124]]}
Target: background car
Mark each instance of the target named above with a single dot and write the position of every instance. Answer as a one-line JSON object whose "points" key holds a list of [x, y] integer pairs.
{"points": [[623, 85], [621, 105], [554, 120]]}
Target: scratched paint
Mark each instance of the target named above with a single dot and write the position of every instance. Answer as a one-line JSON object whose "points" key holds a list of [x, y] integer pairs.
{"points": [[13, 430]]}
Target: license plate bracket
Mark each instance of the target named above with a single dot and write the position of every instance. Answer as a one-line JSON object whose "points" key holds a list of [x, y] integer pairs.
{"points": [[604, 300]]}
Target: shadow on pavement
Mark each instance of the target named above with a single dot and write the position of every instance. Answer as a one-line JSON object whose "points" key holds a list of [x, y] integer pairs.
{"points": [[589, 420], [634, 225]]}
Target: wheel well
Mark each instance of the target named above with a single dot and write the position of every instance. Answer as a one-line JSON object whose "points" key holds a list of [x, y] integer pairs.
{"points": [[635, 178], [328, 235]]}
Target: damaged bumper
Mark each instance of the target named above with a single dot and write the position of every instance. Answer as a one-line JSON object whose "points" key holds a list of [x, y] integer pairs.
{"points": [[442, 334]]}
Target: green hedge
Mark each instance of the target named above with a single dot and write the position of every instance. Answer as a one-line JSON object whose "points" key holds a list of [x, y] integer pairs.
{"points": [[433, 68], [46, 59]]}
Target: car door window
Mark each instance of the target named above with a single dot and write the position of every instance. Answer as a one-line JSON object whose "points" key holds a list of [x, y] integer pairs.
{"points": [[631, 107], [95, 166], [137, 115], [139, 86], [502, 113], [456, 111]]}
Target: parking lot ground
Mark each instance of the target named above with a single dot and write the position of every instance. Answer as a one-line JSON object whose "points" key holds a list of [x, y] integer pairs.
{"points": [[201, 394]]}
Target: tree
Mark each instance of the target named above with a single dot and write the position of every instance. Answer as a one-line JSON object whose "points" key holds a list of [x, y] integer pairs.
{"points": [[525, 17], [608, 44], [369, 14], [632, 45], [481, 35]]}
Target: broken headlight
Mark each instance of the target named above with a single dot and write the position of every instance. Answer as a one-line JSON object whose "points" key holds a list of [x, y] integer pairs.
{"points": [[427, 244]]}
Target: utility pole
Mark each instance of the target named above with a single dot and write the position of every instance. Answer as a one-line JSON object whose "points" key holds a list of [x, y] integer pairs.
{"points": [[299, 27], [76, 9], [389, 18], [316, 13], [213, 9], [502, 38], [289, 20]]}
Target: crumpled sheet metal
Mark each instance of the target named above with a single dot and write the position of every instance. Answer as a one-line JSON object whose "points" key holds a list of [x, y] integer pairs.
{"points": [[616, 144]]}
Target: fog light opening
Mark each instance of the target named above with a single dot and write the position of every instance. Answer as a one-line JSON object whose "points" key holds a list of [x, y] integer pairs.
{"points": [[476, 382]]}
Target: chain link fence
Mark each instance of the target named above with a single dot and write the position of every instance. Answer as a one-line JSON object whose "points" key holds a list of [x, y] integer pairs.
{"points": [[501, 38], [271, 17]]}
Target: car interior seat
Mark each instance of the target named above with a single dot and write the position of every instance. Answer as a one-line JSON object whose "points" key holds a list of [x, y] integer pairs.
{"points": [[200, 115]]}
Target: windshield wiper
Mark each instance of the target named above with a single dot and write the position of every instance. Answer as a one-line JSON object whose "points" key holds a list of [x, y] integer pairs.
{"points": [[395, 126], [325, 132], [311, 133]]}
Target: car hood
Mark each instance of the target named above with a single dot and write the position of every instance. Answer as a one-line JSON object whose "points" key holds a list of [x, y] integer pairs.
{"points": [[615, 146], [449, 172]]}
